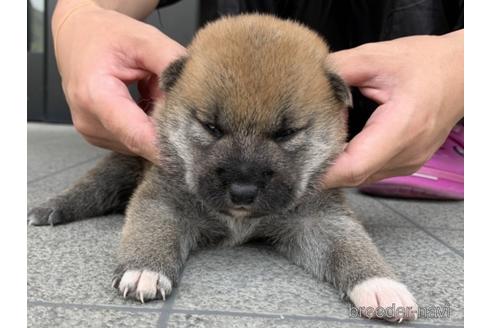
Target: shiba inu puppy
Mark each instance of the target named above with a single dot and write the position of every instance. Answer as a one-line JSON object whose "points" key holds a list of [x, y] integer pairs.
{"points": [[253, 117]]}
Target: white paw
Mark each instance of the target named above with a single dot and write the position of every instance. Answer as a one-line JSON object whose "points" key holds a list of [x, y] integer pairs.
{"points": [[384, 298], [144, 285]]}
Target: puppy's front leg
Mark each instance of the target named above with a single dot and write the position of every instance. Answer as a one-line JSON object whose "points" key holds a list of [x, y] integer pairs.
{"points": [[338, 249], [154, 246]]}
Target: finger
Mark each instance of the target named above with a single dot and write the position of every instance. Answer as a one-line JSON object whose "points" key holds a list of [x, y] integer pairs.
{"points": [[122, 117], [109, 144], [353, 65], [369, 151], [129, 74], [90, 128], [385, 174], [357, 68], [401, 164], [134, 129], [105, 140], [158, 52], [397, 166]]}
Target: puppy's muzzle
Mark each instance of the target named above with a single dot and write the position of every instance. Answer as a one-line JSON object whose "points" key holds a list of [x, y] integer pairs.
{"points": [[243, 193], [243, 181]]}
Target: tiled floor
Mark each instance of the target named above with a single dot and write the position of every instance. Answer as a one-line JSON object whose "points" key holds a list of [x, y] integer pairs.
{"points": [[70, 266]]}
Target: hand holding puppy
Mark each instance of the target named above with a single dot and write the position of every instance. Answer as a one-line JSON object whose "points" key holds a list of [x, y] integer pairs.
{"points": [[418, 83], [99, 53]]}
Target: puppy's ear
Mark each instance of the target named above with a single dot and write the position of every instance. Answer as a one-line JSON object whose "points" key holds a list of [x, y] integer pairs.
{"points": [[340, 89], [172, 73]]}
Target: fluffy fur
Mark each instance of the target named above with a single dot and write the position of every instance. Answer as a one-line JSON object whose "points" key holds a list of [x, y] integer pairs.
{"points": [[253, 117]]}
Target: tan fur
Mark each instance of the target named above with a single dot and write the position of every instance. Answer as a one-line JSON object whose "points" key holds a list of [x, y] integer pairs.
{"points": [[229, 71]]}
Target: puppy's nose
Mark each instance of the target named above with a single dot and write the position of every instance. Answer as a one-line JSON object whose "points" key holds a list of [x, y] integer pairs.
{"points": [[242, 193]]}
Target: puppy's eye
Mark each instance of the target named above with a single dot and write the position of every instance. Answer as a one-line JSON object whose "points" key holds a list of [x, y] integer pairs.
{"points": [[284, 134], [213, 130]]}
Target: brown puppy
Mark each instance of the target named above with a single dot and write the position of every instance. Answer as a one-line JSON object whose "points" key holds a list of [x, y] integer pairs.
{"points": [[252, 119]]}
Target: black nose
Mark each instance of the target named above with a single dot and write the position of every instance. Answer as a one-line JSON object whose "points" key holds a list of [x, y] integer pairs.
{"points": [[243, 194]]}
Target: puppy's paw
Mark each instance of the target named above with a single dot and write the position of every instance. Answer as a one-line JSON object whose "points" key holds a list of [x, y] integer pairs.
{"points": [[143, 285], [44, 215], [384, 298]]}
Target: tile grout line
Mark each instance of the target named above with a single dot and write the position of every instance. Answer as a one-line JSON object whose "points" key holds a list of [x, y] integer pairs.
{"points": [[64, 169], [297, 317], [423, 229], [446, 229], [261, 315], [171, 310], [166, 311], [399, 214], [406, 226], [131, 309]]}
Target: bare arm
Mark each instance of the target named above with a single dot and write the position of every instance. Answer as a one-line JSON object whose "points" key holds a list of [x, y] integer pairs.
{"points": [[135, 9]]}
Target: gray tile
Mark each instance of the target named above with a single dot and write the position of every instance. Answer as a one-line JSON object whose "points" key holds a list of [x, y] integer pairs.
{"points": [[73, 263], [52, 148], [370, 211], [431, 271], [256, 279], [40, 132], [48, 316], [430, 214], [454, 238], [220, 321], [70, 263], [42, 190]]}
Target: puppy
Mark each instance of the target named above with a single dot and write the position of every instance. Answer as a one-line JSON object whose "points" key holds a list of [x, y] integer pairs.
{"points": [[252, 119]]}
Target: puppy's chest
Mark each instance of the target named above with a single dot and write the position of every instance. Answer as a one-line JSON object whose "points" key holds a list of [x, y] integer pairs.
{"points": [[240, 230]]}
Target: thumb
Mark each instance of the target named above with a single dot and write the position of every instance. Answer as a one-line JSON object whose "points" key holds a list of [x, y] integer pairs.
{"points": [[368, 151], [122, 117]]}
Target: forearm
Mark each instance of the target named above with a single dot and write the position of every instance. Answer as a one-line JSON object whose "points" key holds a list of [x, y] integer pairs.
{"points": [[65, 9], [136, 9]]}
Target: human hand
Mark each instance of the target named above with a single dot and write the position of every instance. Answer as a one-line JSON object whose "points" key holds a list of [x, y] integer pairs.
{"points": [[99, 53], [418, 83]]}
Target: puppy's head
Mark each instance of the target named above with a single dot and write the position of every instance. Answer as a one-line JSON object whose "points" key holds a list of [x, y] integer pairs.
{"points": [[253, 114]]}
